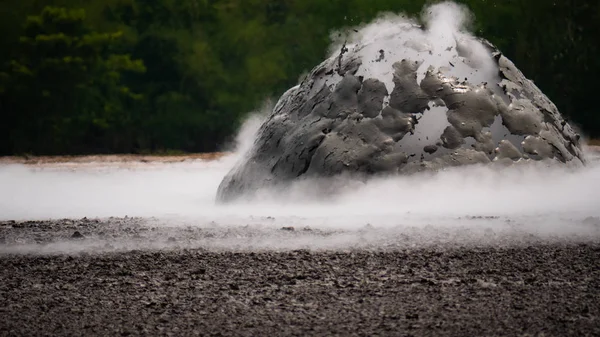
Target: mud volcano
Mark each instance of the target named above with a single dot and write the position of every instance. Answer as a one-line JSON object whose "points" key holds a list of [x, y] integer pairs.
{"points": [[398, 97]]}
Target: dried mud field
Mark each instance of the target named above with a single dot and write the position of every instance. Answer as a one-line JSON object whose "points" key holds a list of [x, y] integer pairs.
{"points": [[533, 289], [86, 249]]}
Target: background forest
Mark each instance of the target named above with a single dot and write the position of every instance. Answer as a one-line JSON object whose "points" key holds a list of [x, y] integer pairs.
{"points": [[136, 76]]}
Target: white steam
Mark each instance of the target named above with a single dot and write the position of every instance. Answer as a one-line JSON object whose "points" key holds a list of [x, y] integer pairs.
{"points": [[468, 205], [444, 44], [446, 18]]}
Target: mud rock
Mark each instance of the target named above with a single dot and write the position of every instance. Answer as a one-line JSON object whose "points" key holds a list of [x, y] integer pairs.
{"points": [[77, 235], [361, 114]]}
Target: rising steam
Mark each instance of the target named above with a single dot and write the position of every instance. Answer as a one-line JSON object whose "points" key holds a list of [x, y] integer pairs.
{"points": [[393, 37]]}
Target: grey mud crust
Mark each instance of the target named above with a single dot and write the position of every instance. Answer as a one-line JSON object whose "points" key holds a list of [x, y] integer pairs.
{"points": [[532, 290], [501, 287], [362, 113]]}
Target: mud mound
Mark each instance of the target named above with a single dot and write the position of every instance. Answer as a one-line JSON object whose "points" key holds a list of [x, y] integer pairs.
{"points": [[399, 98]]}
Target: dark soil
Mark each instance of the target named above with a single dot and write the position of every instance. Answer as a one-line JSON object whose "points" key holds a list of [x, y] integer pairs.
{"points": [[534, 288]]}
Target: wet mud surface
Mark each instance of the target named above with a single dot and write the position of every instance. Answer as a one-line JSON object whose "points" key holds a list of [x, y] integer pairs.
{"points": [[255, 276], [532, 286]]}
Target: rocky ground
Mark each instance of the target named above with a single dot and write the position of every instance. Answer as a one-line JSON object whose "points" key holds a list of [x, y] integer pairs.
{"points": [[90, 277], [143, 276]]}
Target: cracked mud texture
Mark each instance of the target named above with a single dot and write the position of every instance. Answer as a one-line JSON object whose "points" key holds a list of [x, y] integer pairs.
{"points": [[363, 113], [502, 287], [523, 290]]}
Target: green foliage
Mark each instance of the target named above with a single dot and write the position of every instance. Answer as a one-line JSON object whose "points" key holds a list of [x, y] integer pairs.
{"points": [[161, 75], [62, 90]]}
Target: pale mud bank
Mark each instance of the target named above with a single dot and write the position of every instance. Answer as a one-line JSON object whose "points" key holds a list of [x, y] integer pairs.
{"points": [[117, 160]]}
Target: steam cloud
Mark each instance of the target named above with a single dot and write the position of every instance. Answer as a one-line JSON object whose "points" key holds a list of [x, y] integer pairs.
{"points": [[445, 25]]}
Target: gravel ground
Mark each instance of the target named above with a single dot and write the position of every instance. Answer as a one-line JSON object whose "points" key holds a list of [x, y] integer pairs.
{"points": [[470, 275], [89, 284]]}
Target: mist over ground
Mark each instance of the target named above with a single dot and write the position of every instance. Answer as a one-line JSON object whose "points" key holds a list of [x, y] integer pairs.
{"points": [[467, 205]]}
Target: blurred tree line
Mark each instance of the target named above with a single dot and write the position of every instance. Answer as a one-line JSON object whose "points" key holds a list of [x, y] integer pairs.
{"points": [[131, 76]]}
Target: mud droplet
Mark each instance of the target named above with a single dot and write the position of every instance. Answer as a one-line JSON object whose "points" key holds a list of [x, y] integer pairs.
{"points": [[77, 235]]}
